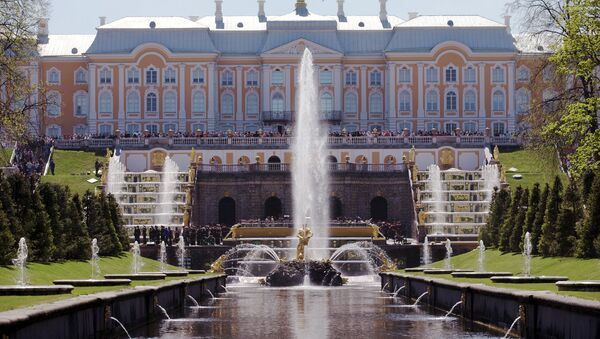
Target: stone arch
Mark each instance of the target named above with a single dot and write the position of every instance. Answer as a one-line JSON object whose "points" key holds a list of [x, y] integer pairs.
{"points": [[244, 160], [227, 213], [361, 159], [273, 208], [335, 208], [379, 209], [216, 160]]}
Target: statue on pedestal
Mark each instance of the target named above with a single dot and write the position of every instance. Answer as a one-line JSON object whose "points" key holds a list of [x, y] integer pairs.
{"points": [[304, 236]]}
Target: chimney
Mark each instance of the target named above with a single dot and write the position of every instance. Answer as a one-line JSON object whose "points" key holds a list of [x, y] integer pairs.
{"points": [[219, 13], [262, 16], [507, 23], [341, 14], [383, 11], [102, 20], [43, 31], [412, 15]]}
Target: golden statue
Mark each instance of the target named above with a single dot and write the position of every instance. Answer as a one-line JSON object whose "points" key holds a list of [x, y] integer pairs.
{"points": [[447, 157], [186, 218], [376, 234], [217, 266], [192, 156], [388, 266], [304, 236], [412, 154], [496, 153], [422, 216]]}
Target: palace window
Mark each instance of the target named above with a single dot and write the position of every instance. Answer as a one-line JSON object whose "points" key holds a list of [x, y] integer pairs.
{"points": [[451, 74], [151, 76], [498, 128], [105, 102], [133, 76], [326, 77], [252, 103], [81, 104], [277, 77], [198, 76], [227, 104], [351, 103], [470, 126], [523, 74], [451, 101], [470, 101], [170, 76], [169, 127], [431, 126], [54, 77], [198, 102], [404, 101], [432, 101], [227, 79], [105, 76], [151, 103], [152, 128], [498, 75], [470, 75], [133, 129], [53, 131], [170, 102], [432, 75], [405, 125], [326, 102], [53, 103], [498, 101], [404, 76], [252, 79], [351, 78], [376, 78], [80, 77], [548, 73], [133, 102], [105, 130], [451, 127], [376, 103], [80, 130], [277, 103], [522, 101]]}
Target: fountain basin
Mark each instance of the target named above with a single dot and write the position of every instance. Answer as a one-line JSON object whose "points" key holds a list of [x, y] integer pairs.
{"points": [[196, 271], [93, 282], [529, 280], [583, 286], [416, 269], [36, 290], [138, 276], [475, 275], [170, 273], [445, 271]]}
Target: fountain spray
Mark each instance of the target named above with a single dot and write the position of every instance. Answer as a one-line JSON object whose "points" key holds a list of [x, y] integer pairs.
{"points": [[447, 261], [95, 259], [426, 252], [181, 252], [527, 255], [168, 188], [435, 186], [163, 256], [481, 256], [21, 262], [137, 261]]}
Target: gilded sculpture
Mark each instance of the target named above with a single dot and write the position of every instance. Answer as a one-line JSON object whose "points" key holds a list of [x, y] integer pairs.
{"points": [[304, 236]]}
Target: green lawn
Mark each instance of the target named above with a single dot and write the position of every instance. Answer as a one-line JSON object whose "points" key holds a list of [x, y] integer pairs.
{"points": [[72, 169], [5, 154], [534, 167], [44, 274], [575, 269]]}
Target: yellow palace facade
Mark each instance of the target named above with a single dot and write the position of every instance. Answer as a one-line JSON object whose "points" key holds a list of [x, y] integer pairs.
{"points": [[239, 73]]}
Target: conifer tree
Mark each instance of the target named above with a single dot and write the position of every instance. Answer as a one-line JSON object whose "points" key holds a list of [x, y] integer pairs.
{"points": [[8, 206], [78, 248], [111, 231], [99, 223], [23, 205], [7, 251], [532, 208], [509, 221], [498, 208], [588, 245], [516, 237], [565, 239], [536, 231], [553, 206], [40, 236], [50, 199], [117, 220]]}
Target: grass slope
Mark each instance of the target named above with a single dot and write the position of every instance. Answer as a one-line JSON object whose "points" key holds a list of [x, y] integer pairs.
{"points": [[5, 155], [575, 269], [72, 168], [44, 274], [533, 166]]}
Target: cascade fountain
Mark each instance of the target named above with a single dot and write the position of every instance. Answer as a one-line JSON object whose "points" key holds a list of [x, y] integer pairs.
{"points": [[194, 301], [95, 260], [167, 191], [116, 176], [310, 177], [21, 262], [435, 186], [491, 178]]}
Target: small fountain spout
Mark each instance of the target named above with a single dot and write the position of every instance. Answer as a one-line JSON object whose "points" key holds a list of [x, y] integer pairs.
{"points": [[452, 309], [21, 262], [123, 327], [193, 300], [95, 259], [384, 286], [181, 252], [212, 296], [137, 261], [224, 288], [419, 298], [481, 256], [448, 261], [163, 311], [527, 248], [398, 291], [511, 327], [162, 258]]}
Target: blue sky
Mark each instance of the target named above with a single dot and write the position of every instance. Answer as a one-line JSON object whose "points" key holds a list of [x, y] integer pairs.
{"points": [[81, 16]]}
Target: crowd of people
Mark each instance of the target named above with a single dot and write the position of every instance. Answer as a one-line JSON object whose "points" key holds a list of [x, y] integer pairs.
{"points": [[31, 156], [192, 236]]}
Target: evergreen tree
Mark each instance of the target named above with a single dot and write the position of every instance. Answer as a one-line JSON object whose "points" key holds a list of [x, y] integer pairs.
{"points": [[111, 230], [23, 205], [536, 230], [8, 206], [50, 197], [498, 208], [532, 208], [99, 223], [7, 252], [40, 237], [78, 248], [587, 183], [516, 238], [117, 220], [588, 245], [547, 242], [509, 221]]}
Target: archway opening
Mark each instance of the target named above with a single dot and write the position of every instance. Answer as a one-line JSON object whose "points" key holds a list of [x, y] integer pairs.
{"points": [[227, 211], [379, 209], [274, 163], [273, 208], [335, 208]]}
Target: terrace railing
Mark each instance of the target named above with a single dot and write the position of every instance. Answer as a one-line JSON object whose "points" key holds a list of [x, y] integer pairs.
{"points": [[284, 168]]}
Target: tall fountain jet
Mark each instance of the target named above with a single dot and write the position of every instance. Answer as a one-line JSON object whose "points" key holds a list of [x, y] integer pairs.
{"points": [[310, 177], [168, 190]]}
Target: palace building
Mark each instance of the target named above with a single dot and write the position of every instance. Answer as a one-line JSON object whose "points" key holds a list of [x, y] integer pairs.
{"points": [[153, 75]]}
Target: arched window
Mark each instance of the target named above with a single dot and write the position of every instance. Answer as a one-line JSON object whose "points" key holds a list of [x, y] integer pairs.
{"points": [[80, 130], [351, 78], [133, 76], [376, 103], [198, 76], [498, 74], [169, 127], [451, 74], [404, 76], [470, 126], [80, 77], [376, 78], [470, 75], [151, 76], [54, 77], [277, 103], [402, 125], [227, 79], [170, 102], [105, 102], [252, 79], [227, 104], [81, 104], [432, 101], [432, 75], [404, 101], [133, 102], [470, 101], [54, 103], [170, 76], [198, 102], [252, 103], [498, 101], [277, 77], [451, 101], [326, 102], [151, 103], [351, 103], [523, 101], [105, 76]]}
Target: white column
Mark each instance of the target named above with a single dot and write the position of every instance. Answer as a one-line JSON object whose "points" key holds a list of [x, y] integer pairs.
{"points": [[420, 109], [121, 122], [92, 117], [266, 88], [239, 94], [182, 102], [482, 95], [212, 84], [288, 88], [511, 97], [363, 96], [337, 83], [391, 94]]}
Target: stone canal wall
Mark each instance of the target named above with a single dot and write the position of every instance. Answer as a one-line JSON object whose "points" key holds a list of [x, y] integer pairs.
{"points": [[543, 314], [88, 316]]}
